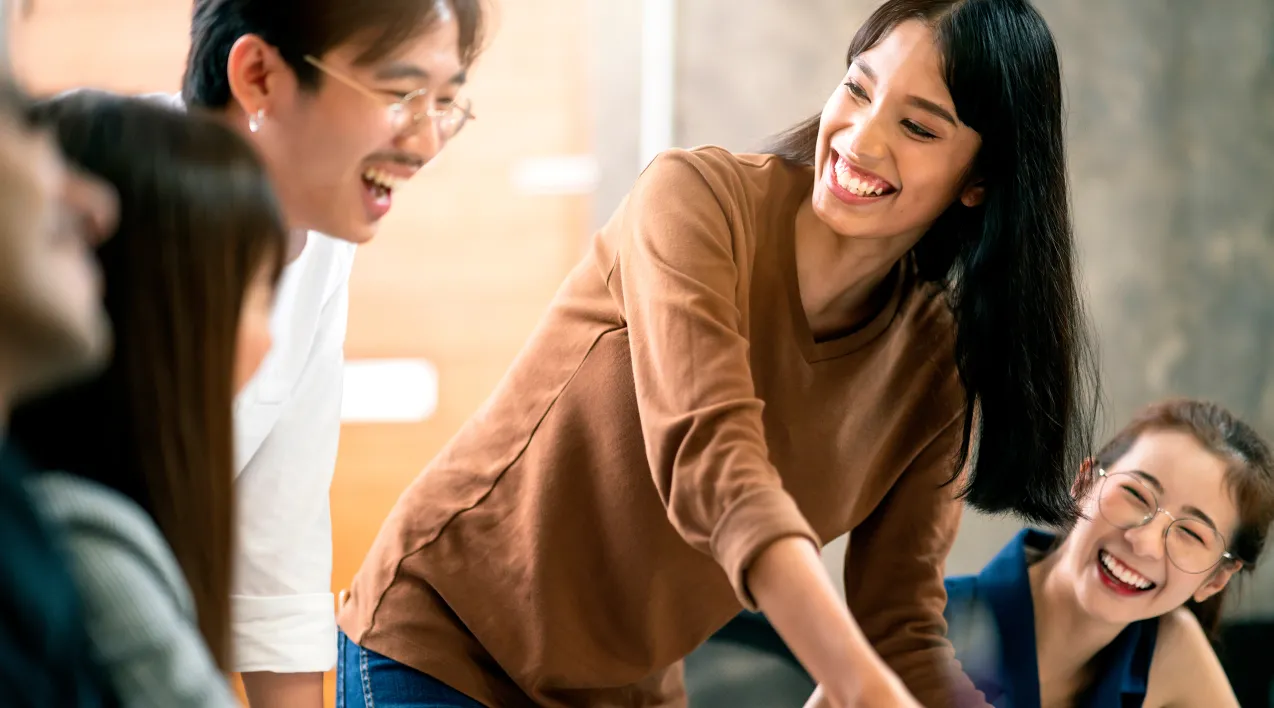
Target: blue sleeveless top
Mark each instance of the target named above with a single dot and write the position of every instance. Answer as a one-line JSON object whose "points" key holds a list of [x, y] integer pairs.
{"points": [[991, 623]]}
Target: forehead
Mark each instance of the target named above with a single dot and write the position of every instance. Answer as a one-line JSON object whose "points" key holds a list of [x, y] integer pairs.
{"points": [[907, 59], [435, 51], [1190, 473]]}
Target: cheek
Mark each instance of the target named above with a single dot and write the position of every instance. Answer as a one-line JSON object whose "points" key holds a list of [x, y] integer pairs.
{"points": [[836, 116], [930, 175], [332, 143]]}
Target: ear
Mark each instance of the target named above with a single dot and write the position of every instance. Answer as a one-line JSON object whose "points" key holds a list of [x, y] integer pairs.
{"points": [[257, 75], [973, 194], [1085, 480], [1220, 578]]}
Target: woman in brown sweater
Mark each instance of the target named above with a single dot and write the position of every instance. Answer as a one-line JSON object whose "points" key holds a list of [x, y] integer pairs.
{"points": [[758, 354]]}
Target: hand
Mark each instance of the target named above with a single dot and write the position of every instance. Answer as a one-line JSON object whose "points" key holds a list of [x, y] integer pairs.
{"points": [[883, 689]]}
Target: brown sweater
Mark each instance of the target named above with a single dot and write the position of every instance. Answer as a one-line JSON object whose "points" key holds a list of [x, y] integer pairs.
{"points": [[672, 416]]}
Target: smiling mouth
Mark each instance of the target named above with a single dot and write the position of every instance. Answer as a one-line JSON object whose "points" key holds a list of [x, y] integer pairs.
{"points": [[1120, 577], [859, 182], [380, 182]]}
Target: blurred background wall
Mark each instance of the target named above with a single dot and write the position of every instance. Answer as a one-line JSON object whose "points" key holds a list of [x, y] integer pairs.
{"points": [[1171, 156]]}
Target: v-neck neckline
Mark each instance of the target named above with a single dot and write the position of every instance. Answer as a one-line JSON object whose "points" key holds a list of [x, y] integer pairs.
{"points": [[813, 349]]}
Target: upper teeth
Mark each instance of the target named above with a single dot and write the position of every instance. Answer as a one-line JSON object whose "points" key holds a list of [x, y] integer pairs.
{"points": [[861, 187], [1123, 572], [382, 178]]}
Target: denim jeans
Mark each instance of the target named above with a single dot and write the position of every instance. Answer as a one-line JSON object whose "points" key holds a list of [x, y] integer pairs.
{"points": [[365, 679]]}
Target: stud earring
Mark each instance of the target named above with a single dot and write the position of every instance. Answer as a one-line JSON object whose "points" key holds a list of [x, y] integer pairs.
{"points": [[255, 120]]}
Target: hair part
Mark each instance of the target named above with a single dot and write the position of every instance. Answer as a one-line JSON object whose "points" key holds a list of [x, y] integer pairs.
{"points": [[1008, 265], [1249, 476], [198, 221], [297, 28]]}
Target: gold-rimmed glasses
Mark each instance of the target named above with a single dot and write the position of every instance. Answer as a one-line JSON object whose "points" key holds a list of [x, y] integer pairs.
{"points": [[408, 110], [1128, 502]]}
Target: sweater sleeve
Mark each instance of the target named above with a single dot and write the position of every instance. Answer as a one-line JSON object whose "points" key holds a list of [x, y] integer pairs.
{"points": [[677, 276], [137, 608], [894, 575]]}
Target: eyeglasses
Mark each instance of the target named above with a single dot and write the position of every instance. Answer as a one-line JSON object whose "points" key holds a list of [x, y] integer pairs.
{"points": [[409, 110], [1191, 544]]}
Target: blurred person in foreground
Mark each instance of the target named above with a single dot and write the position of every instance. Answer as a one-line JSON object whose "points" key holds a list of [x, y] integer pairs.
{"points": [[52, 328], [137, 462]]}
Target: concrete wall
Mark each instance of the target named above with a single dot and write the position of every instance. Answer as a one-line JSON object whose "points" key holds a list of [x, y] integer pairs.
{"points": [[1171, 157]]}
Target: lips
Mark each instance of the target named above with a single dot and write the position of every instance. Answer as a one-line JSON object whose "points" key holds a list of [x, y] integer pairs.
{"points": [[1121, 577], [859, 181]]}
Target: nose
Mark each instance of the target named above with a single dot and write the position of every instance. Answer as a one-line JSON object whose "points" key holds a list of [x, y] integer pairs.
{"points": [[93, 204], [867, 143], [423, 140], [1148, 541]]}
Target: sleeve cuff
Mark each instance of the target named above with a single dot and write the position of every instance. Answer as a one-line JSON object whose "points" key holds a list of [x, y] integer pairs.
{"points": [[748, 527], [290, 634]]}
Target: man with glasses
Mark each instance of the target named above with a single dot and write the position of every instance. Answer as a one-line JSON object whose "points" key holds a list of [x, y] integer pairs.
{"points": [[345, 101]]}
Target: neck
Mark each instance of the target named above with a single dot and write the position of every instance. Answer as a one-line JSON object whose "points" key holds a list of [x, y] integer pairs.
{"points": [[1066, 636], [841, 278], [297, 238], [234, 117]]}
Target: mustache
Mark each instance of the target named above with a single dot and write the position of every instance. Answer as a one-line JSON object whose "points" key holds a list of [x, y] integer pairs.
{"points": [[398, 158]]}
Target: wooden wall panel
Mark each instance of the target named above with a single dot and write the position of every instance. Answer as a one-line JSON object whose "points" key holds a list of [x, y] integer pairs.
{"points": [[463, 267]]}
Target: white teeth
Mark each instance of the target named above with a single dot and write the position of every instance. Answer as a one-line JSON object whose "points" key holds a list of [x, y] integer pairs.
{"points": [[1123, 572], [855, 185], [382, 178]]}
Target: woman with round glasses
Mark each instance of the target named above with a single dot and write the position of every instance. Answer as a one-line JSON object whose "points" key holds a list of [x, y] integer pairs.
{"points": [[1119, 610]]}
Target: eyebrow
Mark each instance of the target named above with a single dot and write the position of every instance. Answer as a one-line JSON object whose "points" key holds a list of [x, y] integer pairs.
{"points": [[923, 104], [1191, 510], [400, 70]]}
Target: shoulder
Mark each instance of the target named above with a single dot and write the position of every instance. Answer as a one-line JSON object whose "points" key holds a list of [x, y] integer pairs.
{"points": [[962, 602], [1185, 669], [328, 261], [699, 171], [113, 546], [927, 311], [924, 332], [1181, 637]]}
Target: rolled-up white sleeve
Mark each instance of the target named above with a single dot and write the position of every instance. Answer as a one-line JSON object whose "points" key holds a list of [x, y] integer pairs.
{"points": [[282, 602]]}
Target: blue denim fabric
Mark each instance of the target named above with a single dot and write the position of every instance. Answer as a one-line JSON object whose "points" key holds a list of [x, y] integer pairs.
{"points": [[365, 679]]}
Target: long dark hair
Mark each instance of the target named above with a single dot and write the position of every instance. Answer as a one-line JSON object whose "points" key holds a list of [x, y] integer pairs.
{"points": [[1022, 347], [198, 221], [1249, 476]]}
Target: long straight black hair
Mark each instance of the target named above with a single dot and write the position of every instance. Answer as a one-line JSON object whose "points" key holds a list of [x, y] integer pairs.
{"points": [[1022, 344], [198, 222]]}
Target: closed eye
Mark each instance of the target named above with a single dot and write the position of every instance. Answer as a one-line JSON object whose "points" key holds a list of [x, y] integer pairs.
{"points": [[395, 95], [917, 130]]}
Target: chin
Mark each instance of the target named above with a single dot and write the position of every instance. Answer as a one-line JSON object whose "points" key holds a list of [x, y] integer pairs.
{"points": [[357, 232], [70, 351], [829, 211], [361, 235]]}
